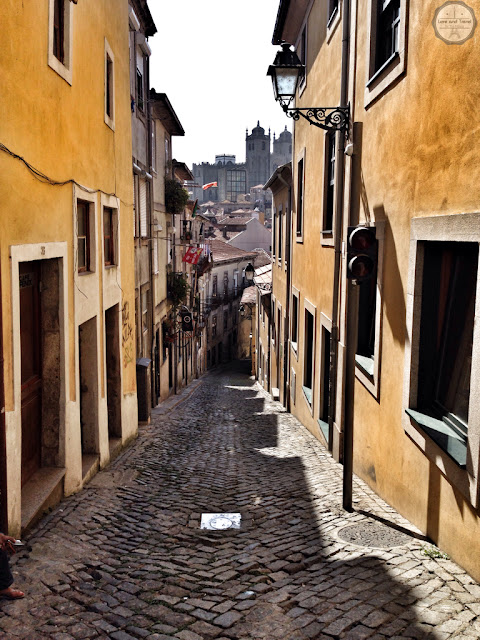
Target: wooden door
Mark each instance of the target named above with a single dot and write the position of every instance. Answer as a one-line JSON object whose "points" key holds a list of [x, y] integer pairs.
{"points": [[30, 337]]}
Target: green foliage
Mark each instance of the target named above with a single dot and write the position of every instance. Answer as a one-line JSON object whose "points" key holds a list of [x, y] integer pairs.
{"points": [[178, 288], [176, 197], [434, 552]]}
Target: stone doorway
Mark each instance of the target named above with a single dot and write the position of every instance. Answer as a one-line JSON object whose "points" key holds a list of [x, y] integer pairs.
{"points": [[88, 379], [113, 363]]}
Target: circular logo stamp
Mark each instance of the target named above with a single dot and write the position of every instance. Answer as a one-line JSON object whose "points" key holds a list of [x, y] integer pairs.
{"points": [[454, 22]]}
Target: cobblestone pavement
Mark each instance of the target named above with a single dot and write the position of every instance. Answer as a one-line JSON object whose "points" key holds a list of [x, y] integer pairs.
{"points": [[126, 558]]}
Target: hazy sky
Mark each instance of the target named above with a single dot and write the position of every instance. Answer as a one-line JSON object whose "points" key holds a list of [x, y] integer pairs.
{"points": [[211, 59]]}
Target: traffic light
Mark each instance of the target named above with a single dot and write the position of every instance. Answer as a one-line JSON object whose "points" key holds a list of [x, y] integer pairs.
{"points": [[361, 252], [186, 321]]}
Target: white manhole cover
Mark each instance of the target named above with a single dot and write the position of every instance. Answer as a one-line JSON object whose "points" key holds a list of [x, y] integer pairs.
{"points": [[220, 521]]}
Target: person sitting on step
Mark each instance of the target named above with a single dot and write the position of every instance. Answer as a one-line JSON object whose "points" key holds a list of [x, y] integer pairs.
{"points": [[6, 578]]}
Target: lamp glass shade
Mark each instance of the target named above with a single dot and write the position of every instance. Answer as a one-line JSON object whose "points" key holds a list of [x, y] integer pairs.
{"points": [[285, 83], [249, 272]]}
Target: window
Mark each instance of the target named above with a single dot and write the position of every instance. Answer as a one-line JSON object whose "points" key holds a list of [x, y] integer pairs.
{"points": [[329, 191], [236, 184], [225, 320], [59, 30], [442, 376], [308, 359], [108, 236], [60, 38], [332, 10], [294, 338], [300, 188], [387, 60], [109, 87], [83, 236], [145, 323], [326, 326], [140, 89], [225, 283], [274, 233], [235, 282], [302, 54], [388, 31], [366, 324], [280, 234], [215, 286], [143, 200], [446, 340], [153, 149]]}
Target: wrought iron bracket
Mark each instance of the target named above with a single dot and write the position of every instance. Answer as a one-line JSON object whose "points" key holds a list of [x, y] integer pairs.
{"points": [[328, 118]]}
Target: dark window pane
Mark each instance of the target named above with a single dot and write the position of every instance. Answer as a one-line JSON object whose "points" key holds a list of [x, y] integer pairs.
{"points": [[446, 329], [59, 30]]}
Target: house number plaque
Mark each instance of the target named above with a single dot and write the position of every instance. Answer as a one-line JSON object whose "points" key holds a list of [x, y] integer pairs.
{"points": [[454, 22]]}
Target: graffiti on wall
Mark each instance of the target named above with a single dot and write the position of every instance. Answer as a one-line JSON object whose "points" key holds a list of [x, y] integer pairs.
{"points": [[127, 334]]}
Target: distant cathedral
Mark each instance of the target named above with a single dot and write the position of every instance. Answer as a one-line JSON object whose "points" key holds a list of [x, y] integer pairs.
{"points": [[236, 179]]}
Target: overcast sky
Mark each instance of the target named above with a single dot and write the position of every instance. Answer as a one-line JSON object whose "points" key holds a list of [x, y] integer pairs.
{"points": [[211, 59]]}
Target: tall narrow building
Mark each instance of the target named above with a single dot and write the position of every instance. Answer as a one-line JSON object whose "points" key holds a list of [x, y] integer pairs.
{"points": [[257, 153]]}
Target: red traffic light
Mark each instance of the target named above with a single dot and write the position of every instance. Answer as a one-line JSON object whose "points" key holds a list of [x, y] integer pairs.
{"points": [[362, 238]]}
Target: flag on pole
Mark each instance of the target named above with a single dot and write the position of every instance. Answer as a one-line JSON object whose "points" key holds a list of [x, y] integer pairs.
{"points": [[192, 256], [195, 209], [209, 184]]}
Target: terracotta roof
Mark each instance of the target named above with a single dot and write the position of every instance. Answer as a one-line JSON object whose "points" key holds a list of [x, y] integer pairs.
{"points": [[235, 221], [223, 252], [249, 295], [262, 258]]}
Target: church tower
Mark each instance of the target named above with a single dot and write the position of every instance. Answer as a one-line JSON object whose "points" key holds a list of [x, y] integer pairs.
{"points": [[257, 153]]}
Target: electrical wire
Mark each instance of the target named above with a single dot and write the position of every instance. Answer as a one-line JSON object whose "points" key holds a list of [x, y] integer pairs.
{"points": [[42, 177]]}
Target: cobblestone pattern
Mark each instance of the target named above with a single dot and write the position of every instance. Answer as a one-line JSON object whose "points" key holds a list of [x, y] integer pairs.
{"points": [[125, 558]]}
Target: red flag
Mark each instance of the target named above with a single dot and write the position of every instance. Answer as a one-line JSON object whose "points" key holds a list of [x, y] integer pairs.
{"points": [[192, 256], [209, 184]]}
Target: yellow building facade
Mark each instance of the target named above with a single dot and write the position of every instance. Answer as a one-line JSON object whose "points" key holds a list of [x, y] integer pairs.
{"points": [[407, 167], [66, 249]]}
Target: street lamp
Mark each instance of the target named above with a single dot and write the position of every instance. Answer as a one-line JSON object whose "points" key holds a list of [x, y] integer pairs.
{"points": [[249, 273], [285, 72]]}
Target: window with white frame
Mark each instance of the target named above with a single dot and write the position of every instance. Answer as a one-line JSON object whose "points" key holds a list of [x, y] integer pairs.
{"points": [[302, 54], [60, 29], [387, 39], [367, 357], [84, 236], [442, 374], [280, 234], [300, 194], [294, 329], [110, 232], [332, 10], [309, 352], [109, 87], [329, 184]]}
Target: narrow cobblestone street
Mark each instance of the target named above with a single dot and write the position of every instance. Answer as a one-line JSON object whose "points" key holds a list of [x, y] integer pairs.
{"points": [[126, 558]]}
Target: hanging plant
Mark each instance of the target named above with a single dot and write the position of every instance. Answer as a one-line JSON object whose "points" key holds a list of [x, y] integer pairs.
{"points": [[178, 288], [176, 197]]}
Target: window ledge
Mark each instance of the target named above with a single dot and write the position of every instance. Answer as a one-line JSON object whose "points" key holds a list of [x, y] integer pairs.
{"points": [[323, 428], [383, 68], [308, 394], [366, 364], [443, 435]]}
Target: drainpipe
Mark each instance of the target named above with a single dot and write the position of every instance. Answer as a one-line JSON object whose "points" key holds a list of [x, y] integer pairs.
{"points": [[288, 254], [3, 450], [339, 188], [150, 124]]}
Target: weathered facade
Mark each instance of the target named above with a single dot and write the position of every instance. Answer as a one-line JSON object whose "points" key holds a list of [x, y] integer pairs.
{"points": [[66, 249], [412, 178]]}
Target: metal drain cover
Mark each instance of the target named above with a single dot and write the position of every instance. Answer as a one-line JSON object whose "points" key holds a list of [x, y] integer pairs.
{"points": [[220, 521], [373, 534]]}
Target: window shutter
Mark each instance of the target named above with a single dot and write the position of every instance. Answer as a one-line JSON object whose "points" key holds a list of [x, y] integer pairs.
{"points": [[134, 209], [143, 208], [155, 255]]}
